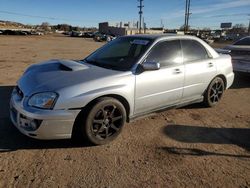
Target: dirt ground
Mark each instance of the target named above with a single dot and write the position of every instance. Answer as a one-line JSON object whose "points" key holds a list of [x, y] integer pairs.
{"points": [[188, 147]]}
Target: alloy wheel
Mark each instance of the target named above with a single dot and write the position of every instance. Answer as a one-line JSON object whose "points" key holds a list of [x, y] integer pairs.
{"points": [[107, 121], [216, 91]]}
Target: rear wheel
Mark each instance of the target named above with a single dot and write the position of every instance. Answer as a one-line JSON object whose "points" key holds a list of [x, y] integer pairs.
{"points": [[104, 121], [214, 92]]}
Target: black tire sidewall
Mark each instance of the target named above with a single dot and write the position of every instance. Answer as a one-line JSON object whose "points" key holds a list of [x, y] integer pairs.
{"points": [[207, 100], [87, 127]]}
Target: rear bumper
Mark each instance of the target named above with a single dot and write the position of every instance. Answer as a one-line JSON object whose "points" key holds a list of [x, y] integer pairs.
{"points": [[52, 124], [230, 79]]}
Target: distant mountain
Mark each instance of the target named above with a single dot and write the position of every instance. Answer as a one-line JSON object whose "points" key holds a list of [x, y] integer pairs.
{"points": [[10, 24]]}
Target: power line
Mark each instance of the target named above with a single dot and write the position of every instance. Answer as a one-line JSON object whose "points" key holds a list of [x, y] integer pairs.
{"points": [[26, 15], [227, 15], [44, 17]]}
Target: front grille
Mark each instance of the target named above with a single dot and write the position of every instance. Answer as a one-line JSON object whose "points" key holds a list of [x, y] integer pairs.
{"points": [[19, 92], [240, 52]]}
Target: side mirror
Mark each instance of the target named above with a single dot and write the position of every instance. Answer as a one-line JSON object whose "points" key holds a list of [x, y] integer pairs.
{"points": [[151, 66]]}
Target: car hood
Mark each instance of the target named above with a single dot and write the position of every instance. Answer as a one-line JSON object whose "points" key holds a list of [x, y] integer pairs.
{"points": [[239, 52], [238, 47], [54, 75]]}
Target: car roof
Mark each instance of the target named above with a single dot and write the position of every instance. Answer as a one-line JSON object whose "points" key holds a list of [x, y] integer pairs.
{"points": [[244, 38], [161, 36]]}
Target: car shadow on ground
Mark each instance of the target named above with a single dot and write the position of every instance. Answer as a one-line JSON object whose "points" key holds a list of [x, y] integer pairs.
{"points": [[11, 139], [207, 135]]}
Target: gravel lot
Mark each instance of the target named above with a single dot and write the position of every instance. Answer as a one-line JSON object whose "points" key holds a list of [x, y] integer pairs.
{"points": [[188, 147]]}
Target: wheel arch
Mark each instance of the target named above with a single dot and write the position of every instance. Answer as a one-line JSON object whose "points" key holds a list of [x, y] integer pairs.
{"points": [[120, 98], [80, 116], [223, 78], [220, 76]]}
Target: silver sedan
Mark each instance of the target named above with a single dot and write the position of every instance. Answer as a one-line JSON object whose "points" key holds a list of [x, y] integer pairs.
{"points": [[240, 52], [126, 78]]}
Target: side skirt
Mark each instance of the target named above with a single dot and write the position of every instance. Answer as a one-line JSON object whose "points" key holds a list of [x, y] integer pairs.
{"points": [[158, 110]]}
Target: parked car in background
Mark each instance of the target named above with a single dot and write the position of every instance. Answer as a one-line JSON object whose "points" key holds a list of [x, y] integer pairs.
{"points": [[88, 35], [14, 32], [128, 77], [76, 34], [101, 37], [209, 40], [37, 33], [240, 52]]}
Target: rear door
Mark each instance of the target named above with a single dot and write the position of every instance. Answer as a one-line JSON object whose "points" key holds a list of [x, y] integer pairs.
{"points": [[163, 87], [200, 69]]}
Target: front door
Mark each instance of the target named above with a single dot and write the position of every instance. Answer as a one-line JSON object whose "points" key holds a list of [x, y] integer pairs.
{"points": [[160, 88]]}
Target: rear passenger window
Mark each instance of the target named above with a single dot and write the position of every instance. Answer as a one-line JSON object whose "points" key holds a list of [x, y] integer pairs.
{"points": [[193, 51], [166, 53]]}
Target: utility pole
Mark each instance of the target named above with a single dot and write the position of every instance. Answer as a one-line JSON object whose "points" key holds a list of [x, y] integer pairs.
{"points": [[249, 28], [140, 15], [162, 24], [185, 24], [187, 14]]}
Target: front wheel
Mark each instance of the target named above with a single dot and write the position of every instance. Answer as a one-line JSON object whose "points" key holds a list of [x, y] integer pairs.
{"points": [[104, 121], [214, 92]]}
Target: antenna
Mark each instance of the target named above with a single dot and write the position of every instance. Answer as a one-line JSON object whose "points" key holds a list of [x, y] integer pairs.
{"points": [[140, 15]]}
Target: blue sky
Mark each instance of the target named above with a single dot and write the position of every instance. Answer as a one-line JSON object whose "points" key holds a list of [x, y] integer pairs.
{"points": [[205, 13]]}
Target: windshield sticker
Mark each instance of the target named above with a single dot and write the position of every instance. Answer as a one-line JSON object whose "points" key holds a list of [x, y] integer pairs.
{"points": [[140, 42]]}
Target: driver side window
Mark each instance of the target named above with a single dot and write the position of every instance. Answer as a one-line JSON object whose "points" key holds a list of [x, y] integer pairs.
{"points": [[166, 53]]}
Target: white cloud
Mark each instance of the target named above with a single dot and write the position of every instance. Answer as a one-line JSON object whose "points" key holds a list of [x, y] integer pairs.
{"points": [[210, 8], [220, 6]]}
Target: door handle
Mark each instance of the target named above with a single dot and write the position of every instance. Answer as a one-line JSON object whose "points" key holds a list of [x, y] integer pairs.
{"points": [[177, 71], [210, 64]]}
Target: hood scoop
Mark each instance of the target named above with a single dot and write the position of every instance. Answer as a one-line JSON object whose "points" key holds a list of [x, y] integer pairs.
{"points": [[57, 65], [64, 68], [69, 65]]}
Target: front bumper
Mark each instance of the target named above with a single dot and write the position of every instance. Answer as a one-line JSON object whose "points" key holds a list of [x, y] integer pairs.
{"points": [[241, 65], [53, 124]]}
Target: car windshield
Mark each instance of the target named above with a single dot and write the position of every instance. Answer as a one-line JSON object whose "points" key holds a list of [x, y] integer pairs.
{"points": [[244, 41], [120, 54]]}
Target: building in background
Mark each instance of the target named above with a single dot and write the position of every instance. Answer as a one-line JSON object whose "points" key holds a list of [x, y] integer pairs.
{"points": [[129, 28]]}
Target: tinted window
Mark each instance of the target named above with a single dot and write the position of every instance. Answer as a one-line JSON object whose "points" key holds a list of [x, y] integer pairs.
{"points": [[193, 51], [244, 41], [120, 49], [166, 53], [120, 54]]}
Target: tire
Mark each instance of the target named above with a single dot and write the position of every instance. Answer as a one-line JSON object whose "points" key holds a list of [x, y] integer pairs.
{"points": [[214, 92], [104, 121]]}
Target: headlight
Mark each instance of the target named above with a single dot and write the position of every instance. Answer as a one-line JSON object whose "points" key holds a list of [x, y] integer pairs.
{"points": [[44, 100]]}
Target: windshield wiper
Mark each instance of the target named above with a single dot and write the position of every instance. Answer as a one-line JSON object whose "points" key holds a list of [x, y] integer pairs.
{"points": [[96, 63], [92, 62]]}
